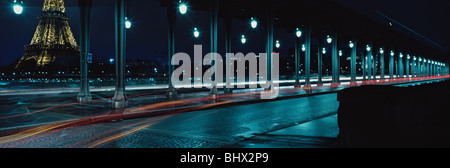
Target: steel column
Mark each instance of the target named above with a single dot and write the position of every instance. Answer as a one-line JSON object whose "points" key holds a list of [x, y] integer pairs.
{"points": [[214, 12], [334, 61], [353, 61], [120, 99], [85, 12], [171, 19], [297, 60], [228, 27], [308, 57]]}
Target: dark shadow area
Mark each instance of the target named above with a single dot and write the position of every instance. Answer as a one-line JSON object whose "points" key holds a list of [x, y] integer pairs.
{"points": [[387, 116]]}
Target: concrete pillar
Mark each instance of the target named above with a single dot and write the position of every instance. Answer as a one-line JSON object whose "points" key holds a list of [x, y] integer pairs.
{"points": [[120, 100], [85, 12]]}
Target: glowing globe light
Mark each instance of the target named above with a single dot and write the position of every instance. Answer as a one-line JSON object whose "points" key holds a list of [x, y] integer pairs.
{"points": [[303, 47], [368, 48], [277, 44], [340, 53], [182, 8], [324, 51], [392, 53], [243, 39], [253, 23], [127, 23], [351, 45], [17, 7], [381, 51], [298, 33], [196, 33], [329, 40], [401, 55]]}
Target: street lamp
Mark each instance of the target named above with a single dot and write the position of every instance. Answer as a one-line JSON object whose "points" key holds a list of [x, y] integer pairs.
{"points": [[127, 23], [253, 23], [392, 53], [324, 51], [303, 47], [351, 45], [329, 40], [277, 44], [182, 8], [243, 39], [298, 33], [368, 48], [340, 53], [18, 7], [196, 32], [401, 55], [381, 51]]}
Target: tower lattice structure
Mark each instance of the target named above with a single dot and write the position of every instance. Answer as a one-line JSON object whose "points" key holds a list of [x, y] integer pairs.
{"points": [[53, 45]]}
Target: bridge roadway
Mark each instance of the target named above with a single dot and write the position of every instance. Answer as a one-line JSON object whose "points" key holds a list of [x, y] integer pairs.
{"points": [[296, 122]]}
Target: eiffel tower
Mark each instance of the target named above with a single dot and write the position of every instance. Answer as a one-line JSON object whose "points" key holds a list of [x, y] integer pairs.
{"points": [[53, 46]]}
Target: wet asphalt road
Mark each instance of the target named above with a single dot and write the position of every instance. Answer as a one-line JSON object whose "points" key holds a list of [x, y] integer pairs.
{"points": [[214, 128]]}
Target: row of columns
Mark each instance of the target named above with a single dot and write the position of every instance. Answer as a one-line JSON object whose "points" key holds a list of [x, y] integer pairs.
{"points": [[120, 99]]}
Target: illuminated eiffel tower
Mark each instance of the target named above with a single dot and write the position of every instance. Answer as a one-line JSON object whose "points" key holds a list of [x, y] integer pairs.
{"points": [[53, 45]]}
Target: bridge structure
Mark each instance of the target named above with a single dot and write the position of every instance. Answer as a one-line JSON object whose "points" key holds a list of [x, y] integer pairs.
{"points": [[384, 54]]}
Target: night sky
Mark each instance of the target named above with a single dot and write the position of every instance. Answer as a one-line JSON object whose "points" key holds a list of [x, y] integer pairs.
{"points": [[147, 39]]}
